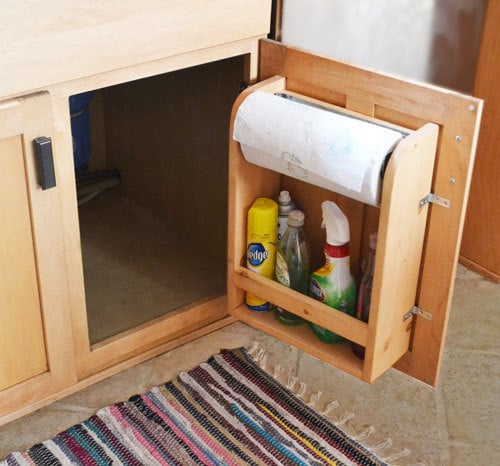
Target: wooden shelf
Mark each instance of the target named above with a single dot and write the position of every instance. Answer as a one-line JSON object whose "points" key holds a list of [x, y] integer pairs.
{"points": [[302, 337], [308, 308]]}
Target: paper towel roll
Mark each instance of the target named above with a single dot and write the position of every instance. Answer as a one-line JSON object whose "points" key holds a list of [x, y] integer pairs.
{"points": [[324, 148]]}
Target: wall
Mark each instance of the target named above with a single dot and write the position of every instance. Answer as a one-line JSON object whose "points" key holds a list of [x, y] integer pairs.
{"points": [[435, 41], [481, 239]]}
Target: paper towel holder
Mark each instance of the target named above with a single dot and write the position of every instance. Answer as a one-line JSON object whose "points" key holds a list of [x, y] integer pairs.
{"points": [[407, 180], [319, 143], [396, 101]]}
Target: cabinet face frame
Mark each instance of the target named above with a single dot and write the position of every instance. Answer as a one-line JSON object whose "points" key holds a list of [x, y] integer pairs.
{"points": [[25, 119], [176, 327], [64, 42], [411, 105]]}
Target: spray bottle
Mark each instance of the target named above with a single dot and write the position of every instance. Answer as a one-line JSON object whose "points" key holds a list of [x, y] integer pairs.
{"points": [[333, 283]]}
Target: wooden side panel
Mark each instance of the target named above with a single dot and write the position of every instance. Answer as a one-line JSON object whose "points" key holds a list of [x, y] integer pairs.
{"points": [[409, 104], [22, 342], [481, 243], [241, 194], [399, 249]]}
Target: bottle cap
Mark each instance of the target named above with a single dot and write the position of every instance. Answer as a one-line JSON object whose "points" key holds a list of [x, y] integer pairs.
{"points": [[296, 218], [263, 216], [284, 197]]}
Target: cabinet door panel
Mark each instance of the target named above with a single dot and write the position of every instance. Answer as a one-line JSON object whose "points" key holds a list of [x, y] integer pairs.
{"points": [[36, 347], [22, 346], [409, 104]]}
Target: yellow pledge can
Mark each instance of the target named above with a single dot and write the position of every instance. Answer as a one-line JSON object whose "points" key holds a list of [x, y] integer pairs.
{"points": [[262, 231]]}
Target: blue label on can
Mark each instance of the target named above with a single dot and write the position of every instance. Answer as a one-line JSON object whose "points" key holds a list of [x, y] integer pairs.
{"points": [[256, 254]]}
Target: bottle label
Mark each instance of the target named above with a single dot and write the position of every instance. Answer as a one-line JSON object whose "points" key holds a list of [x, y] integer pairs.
{"points": [[257, 304], [282, 275], [260, 259], [282, 225], [315, 290], [326, 270], [341, 296], [257, 254]]}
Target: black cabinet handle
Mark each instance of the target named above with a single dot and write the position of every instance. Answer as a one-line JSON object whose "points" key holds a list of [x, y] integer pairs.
{"points": [[45, 159]]}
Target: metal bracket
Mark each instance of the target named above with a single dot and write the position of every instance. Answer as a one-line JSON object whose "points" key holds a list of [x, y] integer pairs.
{"points": [[243, 86], [415, 310], [442, 201]]}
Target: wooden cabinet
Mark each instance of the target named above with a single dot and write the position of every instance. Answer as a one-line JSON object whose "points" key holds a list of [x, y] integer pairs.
{"points": [[45, 237], [56, 52], [35, 333]]}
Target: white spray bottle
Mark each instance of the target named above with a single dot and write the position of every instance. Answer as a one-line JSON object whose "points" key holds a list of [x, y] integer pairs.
{"points": [[333, 283]]}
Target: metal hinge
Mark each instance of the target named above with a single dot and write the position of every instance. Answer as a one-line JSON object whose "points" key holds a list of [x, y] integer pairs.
{"points": [[243, 86], [435, 199], [415, 310]]}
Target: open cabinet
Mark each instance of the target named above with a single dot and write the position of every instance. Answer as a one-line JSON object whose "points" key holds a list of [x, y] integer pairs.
{"points": [[153, 246], [417, 240], [162, 119]]}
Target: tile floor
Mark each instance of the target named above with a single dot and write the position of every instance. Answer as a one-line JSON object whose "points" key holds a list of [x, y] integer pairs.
{"points": [[455, 424]]}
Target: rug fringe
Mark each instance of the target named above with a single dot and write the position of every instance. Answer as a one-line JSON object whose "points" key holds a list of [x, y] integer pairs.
{"points": [[253, 349], [278, 370], [363, 435], [302, 390], [382, 445], [259, 355], [315, 397], [330, 407], [398, 455], [341, 420], [292, 380], [263, 361]]}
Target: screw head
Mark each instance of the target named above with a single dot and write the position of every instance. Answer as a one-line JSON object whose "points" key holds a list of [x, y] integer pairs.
{"points": [[458, 138], [472, 107], [452, 180]]}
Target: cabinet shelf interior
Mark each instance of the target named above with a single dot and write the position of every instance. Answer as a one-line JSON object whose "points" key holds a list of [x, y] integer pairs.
{"points": [[157, 241]]}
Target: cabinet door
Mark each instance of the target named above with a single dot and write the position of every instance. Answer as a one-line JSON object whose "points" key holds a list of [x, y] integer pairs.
{"points": [[411, 105], [34, 328]]}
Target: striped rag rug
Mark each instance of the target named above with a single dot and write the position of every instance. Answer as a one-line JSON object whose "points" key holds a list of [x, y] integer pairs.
{"points": [[227, 411]]}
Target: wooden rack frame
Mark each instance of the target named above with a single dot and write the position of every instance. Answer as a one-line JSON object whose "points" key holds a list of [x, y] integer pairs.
{"points": [[417, 250]]}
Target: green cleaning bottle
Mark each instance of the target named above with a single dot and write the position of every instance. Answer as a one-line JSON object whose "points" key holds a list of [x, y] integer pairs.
{"points": [[292, 263], [333, 283]]}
